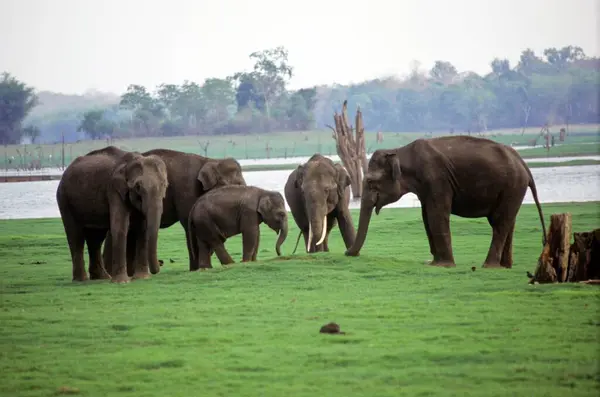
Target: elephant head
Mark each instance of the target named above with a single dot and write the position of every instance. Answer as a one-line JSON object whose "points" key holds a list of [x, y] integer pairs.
{"points": [[141, 181], [216, 173], [323, 185], [386, 181], [271, 208]]}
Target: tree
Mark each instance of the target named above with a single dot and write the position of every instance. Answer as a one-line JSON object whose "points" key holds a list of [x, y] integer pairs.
{"points": [[16, 102], [443, 72], [147, 111], [269, 76], [31, 131], [500, 67], [95, 125]]}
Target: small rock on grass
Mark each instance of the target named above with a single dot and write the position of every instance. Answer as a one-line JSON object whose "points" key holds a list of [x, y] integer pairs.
{"points": [[331, 328]]}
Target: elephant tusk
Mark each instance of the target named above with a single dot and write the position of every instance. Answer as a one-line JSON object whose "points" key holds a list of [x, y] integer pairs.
{"points": [[309, 237], [324, 230]]}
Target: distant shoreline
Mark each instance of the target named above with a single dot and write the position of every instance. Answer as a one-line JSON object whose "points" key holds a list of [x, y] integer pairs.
{"points": [[24, 176]]}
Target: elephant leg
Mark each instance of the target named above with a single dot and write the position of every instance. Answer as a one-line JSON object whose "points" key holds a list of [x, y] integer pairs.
{"points": [[438, 222], [119, 228], [192, 264], [136, 247], [502, 223], [76, 241], [506, 259], [203, 256], [223, 255], [132, 253], [256, 244], [249, 236], [428, 231], [93, 239]]}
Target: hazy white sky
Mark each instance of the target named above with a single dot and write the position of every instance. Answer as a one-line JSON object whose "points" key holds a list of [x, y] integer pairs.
{"points": [[71, 46]]}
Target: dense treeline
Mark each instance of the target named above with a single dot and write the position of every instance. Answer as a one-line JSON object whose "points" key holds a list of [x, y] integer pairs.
{"points": [[559, 86]]}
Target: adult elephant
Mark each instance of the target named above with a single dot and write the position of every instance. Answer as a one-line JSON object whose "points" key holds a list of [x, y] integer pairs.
{"points": [[112, 190], [190, 176], [318, 195], [461, 175]]}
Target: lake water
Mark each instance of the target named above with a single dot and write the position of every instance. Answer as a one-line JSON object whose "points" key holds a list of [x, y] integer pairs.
{"points": [[554, 184], [288, 160]]}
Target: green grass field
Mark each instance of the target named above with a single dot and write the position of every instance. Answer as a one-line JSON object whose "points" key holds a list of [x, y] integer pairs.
{"points": [[253, 329], [289, 144]]}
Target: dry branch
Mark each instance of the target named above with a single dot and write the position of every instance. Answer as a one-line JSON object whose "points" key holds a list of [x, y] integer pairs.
{"points": [[561, 261], [350, 146]]}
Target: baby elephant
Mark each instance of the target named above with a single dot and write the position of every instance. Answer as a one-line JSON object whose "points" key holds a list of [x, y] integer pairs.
{"points": [[227, 211]]}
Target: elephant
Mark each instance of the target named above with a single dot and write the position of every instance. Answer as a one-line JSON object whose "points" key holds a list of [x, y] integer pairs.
{"points": [[230, 210], [318, 195], [112, 190], [190, 176], [470, 177]]}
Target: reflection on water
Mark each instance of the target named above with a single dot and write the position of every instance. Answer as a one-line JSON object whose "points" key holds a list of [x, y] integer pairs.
{"points": [[554, 184]]}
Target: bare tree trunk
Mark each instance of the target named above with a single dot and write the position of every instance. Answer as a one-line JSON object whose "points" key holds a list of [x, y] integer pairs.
{"points": [[561, 261], [350, 146]]}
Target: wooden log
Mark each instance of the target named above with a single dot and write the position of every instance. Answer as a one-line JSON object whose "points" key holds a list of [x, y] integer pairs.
{"points": [[561, 261], [350, 146], [584, 256], [553, 263]]}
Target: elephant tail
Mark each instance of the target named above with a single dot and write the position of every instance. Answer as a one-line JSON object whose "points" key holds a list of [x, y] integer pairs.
{"points": [[537, 202], [297, 241]]}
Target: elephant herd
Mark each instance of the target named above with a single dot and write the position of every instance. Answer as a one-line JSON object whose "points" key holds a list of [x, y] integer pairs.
{"points": [[123, 198]]}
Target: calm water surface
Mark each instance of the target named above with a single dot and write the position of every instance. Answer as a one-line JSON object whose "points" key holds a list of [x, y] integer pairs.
{"points": [[555, 184]]}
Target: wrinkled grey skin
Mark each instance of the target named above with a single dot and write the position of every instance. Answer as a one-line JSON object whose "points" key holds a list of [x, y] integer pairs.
{"points": [[460, 175], [230, 210], [113, 190], [190, 176], [318, 192]]}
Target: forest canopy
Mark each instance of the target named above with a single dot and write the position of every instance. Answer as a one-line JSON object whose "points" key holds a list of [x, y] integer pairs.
{"points": [[556, 87]]}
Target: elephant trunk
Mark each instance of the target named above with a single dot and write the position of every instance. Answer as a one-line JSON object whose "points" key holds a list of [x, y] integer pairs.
{"points": [[152, 226], [366, 210], [316, 208], [317, 228], [283, 232]]}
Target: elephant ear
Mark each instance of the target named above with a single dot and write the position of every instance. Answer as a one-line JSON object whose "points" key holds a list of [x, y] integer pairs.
{"points": [[394, 162], [299, 176], [265, 205], [342, 179], [209, 175], [123, 178]]}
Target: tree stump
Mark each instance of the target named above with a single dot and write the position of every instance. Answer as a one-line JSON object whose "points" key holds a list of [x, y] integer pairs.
{"points": [[561, 261], [350, 146]]}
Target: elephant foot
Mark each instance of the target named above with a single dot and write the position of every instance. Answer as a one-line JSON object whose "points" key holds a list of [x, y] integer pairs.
{"points": [[493, 265], [350, 253], [442, 263], [121, 279], [80, 279], [102, 276], [141, 275]]}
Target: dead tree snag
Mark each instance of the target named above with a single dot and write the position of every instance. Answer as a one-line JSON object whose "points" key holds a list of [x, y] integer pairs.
{"points": [[350, 146], [561, 261]]}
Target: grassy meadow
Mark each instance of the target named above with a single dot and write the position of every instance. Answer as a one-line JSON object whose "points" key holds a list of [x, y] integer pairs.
{"points": [[252, 329], [583, 140]]}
